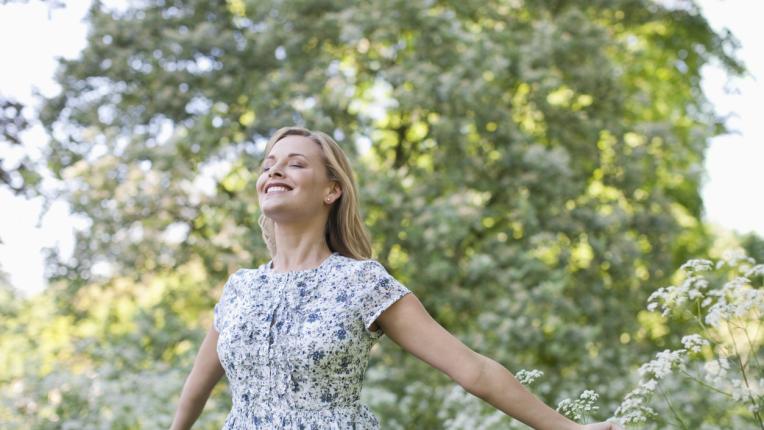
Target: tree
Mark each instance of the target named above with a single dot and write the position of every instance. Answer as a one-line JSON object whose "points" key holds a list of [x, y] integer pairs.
{"points": [[530, 167], [22, 177]]}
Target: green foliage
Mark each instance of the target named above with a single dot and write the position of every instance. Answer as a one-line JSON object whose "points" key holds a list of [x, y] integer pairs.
{"points": [[525, 168], [24, 176]]}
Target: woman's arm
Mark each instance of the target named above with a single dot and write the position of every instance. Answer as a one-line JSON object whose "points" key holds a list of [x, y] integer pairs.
{"points": [[497, 386], [206, 372], [409, 325]]}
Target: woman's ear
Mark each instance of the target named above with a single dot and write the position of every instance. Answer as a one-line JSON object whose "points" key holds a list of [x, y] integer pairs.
{"points": [[334, 194]]}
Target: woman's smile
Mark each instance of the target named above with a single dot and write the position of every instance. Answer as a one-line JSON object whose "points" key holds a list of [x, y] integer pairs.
{"points": [[276, 190]]}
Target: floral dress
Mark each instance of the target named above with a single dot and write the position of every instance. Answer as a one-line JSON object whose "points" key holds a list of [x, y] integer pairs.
{"points": [[295, 345]]}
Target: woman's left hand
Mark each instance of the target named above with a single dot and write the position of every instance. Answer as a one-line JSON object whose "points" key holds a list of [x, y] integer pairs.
{"points": [[602, 426]]}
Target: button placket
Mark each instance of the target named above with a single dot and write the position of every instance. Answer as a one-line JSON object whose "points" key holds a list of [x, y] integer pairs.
{"points": [[288, 344], [280, 373], [275, 284]]}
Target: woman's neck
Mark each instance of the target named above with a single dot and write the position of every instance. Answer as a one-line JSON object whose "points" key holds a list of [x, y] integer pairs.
{"points": [[299, 248]]}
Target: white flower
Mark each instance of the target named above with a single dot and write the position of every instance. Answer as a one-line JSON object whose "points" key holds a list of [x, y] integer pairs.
{"points": [[566, 406], [715, 370], [737, 298], [657, 294], [589, 395], [672, 297], [633, 409], [575, 409], [739, 391], [526, 377], [663, 363], [650, 385], [714, 316], [735, 256], [697, 265], [756, 270], [694, 342], [737, 303]]}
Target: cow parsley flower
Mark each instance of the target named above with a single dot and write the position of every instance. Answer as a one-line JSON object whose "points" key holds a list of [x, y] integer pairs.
{"points": [[579, 408], [755, 271], [694, 342], [697, 265], [526, 377], [663, 363], [736, 299], [715, 370], [736, 305]]}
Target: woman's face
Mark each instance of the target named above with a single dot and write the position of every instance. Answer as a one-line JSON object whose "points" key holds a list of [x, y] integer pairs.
{"points": [[297, 164]]}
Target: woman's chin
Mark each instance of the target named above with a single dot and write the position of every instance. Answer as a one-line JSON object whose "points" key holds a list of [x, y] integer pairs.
{"points": [[284, 213], [272, 211], [278, 211]]}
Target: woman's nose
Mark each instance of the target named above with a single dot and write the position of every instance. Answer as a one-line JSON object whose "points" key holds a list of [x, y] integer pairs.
{"points": [[275, 170]]}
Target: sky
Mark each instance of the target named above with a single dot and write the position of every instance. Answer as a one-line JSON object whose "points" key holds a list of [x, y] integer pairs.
{"points": [[734, 173]]}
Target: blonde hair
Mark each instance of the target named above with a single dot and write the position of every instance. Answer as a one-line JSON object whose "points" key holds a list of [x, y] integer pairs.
{"points": [[345, 231]]}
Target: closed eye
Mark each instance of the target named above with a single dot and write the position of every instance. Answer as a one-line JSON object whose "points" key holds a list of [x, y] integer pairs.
{"points": [[265, 169]]}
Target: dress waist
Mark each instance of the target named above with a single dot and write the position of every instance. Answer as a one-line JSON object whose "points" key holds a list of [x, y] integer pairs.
{"points": [[264, 416]]}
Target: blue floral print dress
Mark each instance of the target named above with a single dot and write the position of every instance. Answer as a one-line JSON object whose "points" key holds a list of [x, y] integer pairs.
{"points": [[295, 345]]}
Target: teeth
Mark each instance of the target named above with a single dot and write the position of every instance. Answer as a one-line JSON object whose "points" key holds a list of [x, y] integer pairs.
{"points": [[277, 189]]}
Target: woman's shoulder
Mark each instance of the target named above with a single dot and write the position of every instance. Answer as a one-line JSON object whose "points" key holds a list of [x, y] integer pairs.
{"points": [[250, 271], [355, 262], [246, 275], [360, 267]]}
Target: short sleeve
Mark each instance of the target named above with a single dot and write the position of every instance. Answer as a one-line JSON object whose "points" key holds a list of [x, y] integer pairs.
{"points": [[380, 291], [225, 298]]}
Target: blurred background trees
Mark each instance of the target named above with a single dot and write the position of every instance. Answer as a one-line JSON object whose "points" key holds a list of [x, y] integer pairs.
{"points": [[531, 171]]}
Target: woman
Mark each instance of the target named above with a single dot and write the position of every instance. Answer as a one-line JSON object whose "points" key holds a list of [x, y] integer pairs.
{"points": [[293, 335]]}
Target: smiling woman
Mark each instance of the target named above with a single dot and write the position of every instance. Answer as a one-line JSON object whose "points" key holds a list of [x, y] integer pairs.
{"points": [[293, 335], [317, 174]]}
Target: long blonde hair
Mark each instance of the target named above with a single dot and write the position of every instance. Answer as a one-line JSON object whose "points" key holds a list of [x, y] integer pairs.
{"points": [[345, 231]]}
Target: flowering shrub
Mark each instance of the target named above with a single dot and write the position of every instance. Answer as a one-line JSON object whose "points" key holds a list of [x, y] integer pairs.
{"points": [[579, 409], [724, 351]]}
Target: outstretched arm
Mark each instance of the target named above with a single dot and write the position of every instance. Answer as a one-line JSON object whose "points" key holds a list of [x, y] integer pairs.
{"points": [[409, 325], [205, 373]]}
